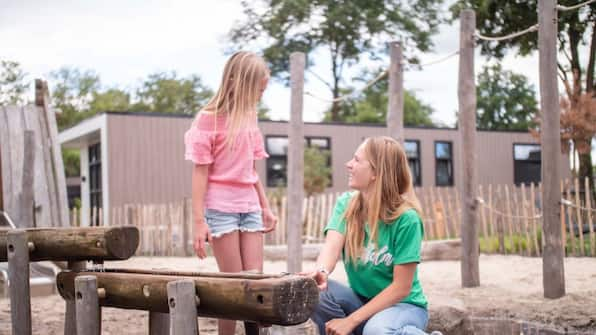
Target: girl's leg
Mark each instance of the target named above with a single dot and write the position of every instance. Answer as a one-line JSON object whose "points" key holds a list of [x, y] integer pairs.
{"points": [[226, 249], [251, 251], [400, 319], [337, 301]]}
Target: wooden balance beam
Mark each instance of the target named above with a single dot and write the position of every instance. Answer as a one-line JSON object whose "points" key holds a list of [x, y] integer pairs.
{"points": [[281, 300], [77, 244]]}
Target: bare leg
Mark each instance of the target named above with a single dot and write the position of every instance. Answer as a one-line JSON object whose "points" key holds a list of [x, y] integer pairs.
{"points": [[251, 251], [227, 254]]}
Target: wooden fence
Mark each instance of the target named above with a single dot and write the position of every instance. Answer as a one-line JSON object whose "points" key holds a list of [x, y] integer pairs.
{"points": [[509, 217]]}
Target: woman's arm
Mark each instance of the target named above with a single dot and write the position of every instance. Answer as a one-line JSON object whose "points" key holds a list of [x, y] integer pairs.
{"points": [[328, 257], [199, 188]]}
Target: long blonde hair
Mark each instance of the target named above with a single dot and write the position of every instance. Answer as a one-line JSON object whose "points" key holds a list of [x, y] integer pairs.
{"points": [[391, 194], [239, 92]]}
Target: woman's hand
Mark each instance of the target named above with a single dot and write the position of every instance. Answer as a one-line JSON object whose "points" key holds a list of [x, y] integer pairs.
{"points": [[340, 326], [202, 236], [269, 220], [319, 277]]}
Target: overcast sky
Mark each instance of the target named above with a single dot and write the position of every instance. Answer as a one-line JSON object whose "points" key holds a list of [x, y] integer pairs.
{"points": [[124, 41]]}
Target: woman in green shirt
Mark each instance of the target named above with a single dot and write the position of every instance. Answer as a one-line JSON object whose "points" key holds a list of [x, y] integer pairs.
{"points": [[378, 232]]}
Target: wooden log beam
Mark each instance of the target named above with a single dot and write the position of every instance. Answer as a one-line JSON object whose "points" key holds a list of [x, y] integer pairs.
{"points": [[281, 300], [77, 244]]}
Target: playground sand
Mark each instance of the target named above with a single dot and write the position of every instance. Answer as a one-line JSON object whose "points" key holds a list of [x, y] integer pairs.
{"points": [[511, 287]]}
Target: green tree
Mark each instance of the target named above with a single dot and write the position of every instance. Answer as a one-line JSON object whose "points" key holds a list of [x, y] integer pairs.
{"points": [[72, 93], [12, 86], [166, 93], [346, 30], [113, 99], [316, 171], [372, 106], [576, 32], [505, 100]]}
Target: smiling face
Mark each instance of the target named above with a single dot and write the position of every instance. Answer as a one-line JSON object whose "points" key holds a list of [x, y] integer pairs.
{"points": [[360, 172]]}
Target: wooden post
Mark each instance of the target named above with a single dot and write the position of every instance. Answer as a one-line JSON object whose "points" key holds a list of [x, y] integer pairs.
{"points": [[296, 163], [467, 120], [553, 273], [182, 301], [395, 107], [159, 323], [70, 319], [26, 215], [56, 178], [1, 187], [18, 277], [88, 312]]}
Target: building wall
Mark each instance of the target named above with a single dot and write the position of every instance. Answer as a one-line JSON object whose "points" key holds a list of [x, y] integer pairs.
{"points": [[147, 154]]}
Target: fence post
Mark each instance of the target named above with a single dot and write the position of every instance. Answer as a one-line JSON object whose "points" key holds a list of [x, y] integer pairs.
{"points": [[182, 301], [18, 276], [296, 163], [470, 274], [553, 273], [395, 106], [88, 313]]}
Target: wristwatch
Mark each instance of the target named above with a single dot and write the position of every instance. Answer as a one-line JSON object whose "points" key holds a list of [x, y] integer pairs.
{"points": [[322, 269]]}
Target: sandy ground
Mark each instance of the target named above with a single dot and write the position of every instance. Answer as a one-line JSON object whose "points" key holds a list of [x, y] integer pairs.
{"points": [[511, 287]]}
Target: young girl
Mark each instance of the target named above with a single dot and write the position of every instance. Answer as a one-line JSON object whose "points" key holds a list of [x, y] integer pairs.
{"points": [[378, 232], [230, 208]]}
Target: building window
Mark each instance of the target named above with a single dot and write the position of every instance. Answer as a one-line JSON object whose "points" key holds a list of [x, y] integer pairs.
{"points": [[526, 163], [277, 148], [412, 148], [95, 181], [444, 163]]}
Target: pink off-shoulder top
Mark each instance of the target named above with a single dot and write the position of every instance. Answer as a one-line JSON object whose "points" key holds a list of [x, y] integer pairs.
{"points": [[232, 176]]}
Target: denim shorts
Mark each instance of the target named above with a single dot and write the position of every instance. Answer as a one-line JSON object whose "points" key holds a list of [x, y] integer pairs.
{"points": [[222, 223]]}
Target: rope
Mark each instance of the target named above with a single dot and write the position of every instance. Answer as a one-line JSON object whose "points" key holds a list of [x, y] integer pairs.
{"points": [[437, 61], [498, 212], [566, 202], [352, 94], [507, 37], [565, 8]]}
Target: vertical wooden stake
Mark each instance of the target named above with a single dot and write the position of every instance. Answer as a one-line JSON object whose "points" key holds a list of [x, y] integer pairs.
{"points": [[470, 274], [70, 320], [553, 273], [296, 163], [182, 300], [395, 106], [88, 313], [18, 276]]}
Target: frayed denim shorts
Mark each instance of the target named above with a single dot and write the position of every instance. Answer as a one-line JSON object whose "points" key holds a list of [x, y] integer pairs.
{"points": [[221, 223]]}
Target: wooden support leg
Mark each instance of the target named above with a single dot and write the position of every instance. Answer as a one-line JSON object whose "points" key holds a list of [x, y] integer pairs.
{"points": [[88, 312], [70, 321], [18, 276], [183, 307], [159, 323]]}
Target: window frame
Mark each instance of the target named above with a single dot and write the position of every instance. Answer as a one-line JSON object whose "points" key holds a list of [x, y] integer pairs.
{"points": [[451, 181]]}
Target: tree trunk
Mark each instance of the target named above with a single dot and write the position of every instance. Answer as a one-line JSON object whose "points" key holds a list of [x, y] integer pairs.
{"points": [[585, 169]]}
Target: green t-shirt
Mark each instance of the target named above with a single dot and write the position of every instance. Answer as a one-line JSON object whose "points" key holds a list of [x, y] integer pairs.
{"points": [[399, 243]]}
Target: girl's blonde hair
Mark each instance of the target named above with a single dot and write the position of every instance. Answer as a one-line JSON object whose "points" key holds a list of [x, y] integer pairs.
{"points": [[239, 91], [391, 194]]}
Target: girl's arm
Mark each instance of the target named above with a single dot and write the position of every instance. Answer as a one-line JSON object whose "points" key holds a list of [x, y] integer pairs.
{"points": [[403, 275], [199, 188], [269, 220]]}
